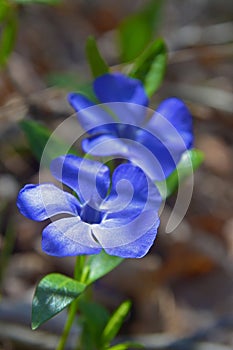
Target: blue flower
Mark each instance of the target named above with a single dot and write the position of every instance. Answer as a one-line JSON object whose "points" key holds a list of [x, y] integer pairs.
{"points": [[121, 218], [119, 125]]}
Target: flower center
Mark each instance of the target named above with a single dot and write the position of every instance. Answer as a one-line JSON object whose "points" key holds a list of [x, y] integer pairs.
{"points": [[90, 215]]}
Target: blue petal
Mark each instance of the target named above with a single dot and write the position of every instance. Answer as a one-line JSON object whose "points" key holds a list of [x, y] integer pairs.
{"points": [[117, 87], [69, 237], [128, 240], [104, 145], [40, 202], [89, 179], [175, 112], [113, 140], [133, 175], [126, 112], [90, 115], [132, 192], [158, 158], [138, 248], [167, 136], [112, 118], [79, 101]]}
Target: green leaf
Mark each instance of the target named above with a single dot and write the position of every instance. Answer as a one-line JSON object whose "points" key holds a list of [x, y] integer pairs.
{"points": [[53, 294], [99, 265], [4, 9], [94, 319], [190, 161], [137, 30], [97, 64], [115, 322], [150, 66], [8, 34], [39, 137], [45, 2], [127, 345]]}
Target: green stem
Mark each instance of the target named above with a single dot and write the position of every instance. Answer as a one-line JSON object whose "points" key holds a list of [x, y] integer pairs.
{"points": [[70, 319], [73, 307], [78, 270]]}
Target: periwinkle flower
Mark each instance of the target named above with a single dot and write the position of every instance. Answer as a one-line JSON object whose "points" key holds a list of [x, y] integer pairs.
{"points": [[121, 218], [119, 125]]}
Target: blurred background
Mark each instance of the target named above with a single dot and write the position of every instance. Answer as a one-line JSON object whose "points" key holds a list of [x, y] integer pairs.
{"points": [[182, 292]]}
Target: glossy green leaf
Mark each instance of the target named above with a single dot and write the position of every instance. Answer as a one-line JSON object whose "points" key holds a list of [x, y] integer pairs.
{"points": [[53, 294], [115, 322], [99, 265], [94, 318], [8, 34], [38, 137], [190, 161], [150, 66], [127, 345], [45, 2], [97, 64], [137, 30]]}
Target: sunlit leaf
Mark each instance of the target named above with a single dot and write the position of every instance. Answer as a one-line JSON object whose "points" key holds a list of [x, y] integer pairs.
{"points": [[97, 64], [115, 322], [99, 265], [190, 161], [38, 137], [150, 66], [137, 30], [53, 294], [125, 346]]}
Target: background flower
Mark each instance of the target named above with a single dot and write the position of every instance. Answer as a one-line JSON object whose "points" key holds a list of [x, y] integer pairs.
{"points": [[119, 125], [123, 222]]}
